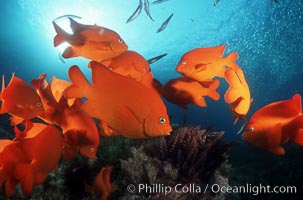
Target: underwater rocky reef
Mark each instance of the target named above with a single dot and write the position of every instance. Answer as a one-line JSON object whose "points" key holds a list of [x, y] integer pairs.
{"points": [[191, 157]]}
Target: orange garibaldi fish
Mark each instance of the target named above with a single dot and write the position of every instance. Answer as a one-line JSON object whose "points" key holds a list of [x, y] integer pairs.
{"points": [[90, 41], [30, 157], [276, 124], [79, 129], [183, 91], [20, 100], [129, 63], [125, 105], [238, 93], [203, 64]]}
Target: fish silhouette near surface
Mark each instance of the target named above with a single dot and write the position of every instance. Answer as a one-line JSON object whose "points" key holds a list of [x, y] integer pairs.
{"points": [[275, 124], [183, 91], [130, 64], [79, 129], [28, 159], [156, 58], [90, 41], [164, 24], [147, 9], [128, 107], [238, 93], [203, 64], [136, 13], [19, 100]]}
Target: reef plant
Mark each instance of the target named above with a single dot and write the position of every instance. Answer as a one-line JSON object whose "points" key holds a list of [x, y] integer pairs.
{"points": [[189, 156]]}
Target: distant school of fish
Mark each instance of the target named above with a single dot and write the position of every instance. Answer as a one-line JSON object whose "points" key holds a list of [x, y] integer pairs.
{"points": [[125, 99]]}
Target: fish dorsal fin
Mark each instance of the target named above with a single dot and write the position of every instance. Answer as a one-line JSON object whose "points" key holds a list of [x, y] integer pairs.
{"points": [[296, 103], [219, 50]]}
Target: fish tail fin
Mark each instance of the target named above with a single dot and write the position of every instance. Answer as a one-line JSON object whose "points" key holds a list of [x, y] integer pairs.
{"points": [[79, 84], [24, 173], [230, 60], [61, 35], [213, 90]]}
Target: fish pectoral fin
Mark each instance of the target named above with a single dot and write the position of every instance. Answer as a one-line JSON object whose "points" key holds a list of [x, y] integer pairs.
{"points": [[201, 67], [128, 121], [277, 150], [274, 136]]}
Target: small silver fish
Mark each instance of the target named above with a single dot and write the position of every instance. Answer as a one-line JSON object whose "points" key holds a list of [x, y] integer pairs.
{"points": [[136, 13], [146, 8], [66, 16], [216, 2], [163, 26], [154, 59], [158, 1]]}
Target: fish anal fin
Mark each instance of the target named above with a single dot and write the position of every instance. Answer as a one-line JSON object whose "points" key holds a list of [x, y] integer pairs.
{"points": [[200, 101], [298, 138], [277, 150], [69, 53], [212, 91], [10, 186]]}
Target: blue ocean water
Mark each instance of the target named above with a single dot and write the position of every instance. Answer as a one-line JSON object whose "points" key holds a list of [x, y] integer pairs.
{"points": [[266, 34]]}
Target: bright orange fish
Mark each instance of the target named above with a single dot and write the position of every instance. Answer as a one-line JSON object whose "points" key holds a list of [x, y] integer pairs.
{"points": [[90, 41], [183, 91], [79, 129], [101, 185], [275, 124], [238, 93], [20, 100], [129, 63], [203, 64], [130, 108], [30, 157]]}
